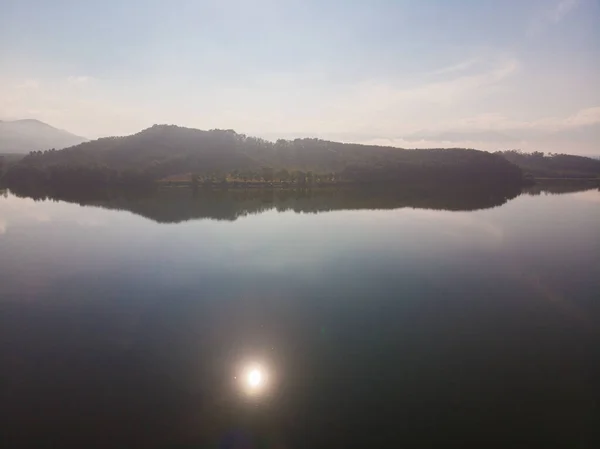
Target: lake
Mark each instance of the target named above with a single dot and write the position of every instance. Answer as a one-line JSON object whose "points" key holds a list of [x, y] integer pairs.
{"points": [[422, 318]]}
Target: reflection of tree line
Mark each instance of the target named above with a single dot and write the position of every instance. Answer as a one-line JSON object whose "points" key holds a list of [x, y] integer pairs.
{"points": [[169, 205], [558, 187]]}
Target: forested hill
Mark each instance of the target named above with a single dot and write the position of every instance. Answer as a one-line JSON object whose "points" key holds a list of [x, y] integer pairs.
{"points": [[166, 150], [540, 165]]}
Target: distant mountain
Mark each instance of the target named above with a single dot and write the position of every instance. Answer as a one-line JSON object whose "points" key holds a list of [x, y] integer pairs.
{"points": [[23, 136]]}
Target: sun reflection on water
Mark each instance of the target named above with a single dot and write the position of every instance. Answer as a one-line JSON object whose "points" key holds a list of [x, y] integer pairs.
{"points": [[254, 379]]}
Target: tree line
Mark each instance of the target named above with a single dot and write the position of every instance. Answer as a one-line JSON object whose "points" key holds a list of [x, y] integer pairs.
{"points": [[541, 165]]}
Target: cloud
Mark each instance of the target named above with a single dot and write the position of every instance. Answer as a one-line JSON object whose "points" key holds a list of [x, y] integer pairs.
{"points": [[460, 67], [407, 112], [550, 145], [28, 84], [462, 136], [553, 15], [495, 131], [79, 79], [585, 117], [80, 104], [562, 9], [384, 107], [450, 89], [499, 122], [578, 133]]}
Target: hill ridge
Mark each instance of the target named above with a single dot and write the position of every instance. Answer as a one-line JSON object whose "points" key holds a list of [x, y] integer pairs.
{"points": [[218, 155]]}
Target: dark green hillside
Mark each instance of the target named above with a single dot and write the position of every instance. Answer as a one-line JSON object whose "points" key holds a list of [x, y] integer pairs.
{"points": [[162, 151], [540, 165]]}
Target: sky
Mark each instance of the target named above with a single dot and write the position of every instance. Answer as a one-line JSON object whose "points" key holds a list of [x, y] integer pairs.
{"points": [[486, 74]]}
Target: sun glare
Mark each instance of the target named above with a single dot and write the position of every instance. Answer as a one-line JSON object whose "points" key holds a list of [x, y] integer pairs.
{"points": [[254, 379]]}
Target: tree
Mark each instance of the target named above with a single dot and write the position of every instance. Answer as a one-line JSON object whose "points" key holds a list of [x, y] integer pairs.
{"points": [[268, 174], [245, 175], [301, 176], [283, 175], [219, 176]]}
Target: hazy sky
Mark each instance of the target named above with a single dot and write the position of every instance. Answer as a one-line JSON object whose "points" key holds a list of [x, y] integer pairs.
{"points": [[487, 74]]}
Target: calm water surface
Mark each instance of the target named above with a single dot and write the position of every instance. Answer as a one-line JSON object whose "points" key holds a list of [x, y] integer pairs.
{"points": [[129, 323]]}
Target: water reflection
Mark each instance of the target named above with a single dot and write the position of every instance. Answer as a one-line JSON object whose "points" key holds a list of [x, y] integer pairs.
{"points": [[560, 187], [173, 205], [388, 328], [254, 379], [177, 204]]}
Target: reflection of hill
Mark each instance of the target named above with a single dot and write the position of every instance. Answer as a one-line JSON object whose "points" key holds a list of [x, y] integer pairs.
{"points": [[173, 205], [560, 186]]}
